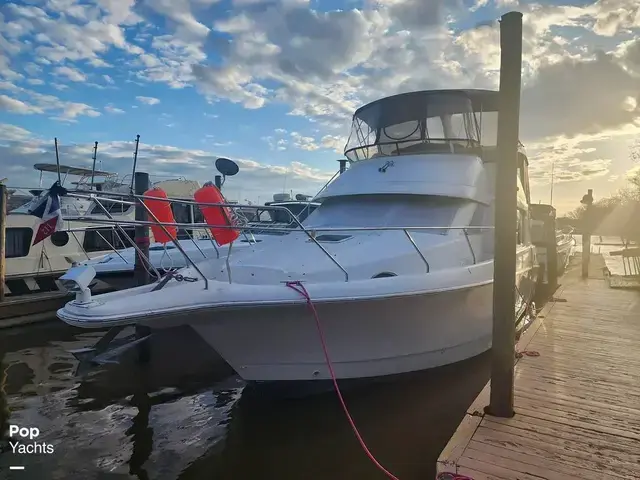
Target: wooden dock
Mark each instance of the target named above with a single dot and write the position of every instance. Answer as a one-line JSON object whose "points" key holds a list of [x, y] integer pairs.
{"points": [[577, 404]]}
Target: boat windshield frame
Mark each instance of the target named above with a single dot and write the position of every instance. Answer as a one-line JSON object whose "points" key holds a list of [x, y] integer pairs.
{"points": [[422, 111]]}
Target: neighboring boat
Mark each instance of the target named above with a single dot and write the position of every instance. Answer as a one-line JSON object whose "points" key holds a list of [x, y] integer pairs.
{"points": [[71, 206], [36, 268], [565, 242], [400, 278]]}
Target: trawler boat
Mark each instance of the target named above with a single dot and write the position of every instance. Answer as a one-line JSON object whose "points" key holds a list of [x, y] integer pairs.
{"points": [[36, 268], [397, 260]]}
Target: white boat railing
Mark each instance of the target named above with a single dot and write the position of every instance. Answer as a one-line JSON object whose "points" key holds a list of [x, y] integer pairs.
{"points": [[299, 228]]}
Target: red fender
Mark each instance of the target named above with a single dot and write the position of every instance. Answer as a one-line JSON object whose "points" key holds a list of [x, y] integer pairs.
{"points": [[216, 215], [164, 214]]}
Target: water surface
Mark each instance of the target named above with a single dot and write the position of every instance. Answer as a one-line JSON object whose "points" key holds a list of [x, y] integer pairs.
{"points": [[187, 416]]}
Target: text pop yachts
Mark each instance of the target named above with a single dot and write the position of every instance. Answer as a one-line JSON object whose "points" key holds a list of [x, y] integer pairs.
{"points": [[19, 436]]}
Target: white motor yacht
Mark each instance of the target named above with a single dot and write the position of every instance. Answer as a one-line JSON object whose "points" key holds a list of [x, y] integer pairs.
{"points": [[397, 259]]}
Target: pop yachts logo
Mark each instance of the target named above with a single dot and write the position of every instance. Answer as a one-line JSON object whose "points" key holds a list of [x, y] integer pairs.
{"points": [[23, 441]]}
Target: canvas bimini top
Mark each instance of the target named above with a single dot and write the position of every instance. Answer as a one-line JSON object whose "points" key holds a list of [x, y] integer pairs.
{"points": [[420, 122]]}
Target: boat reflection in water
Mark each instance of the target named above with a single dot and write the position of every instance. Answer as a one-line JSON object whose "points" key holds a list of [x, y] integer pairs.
{"points": [[129, 421]]}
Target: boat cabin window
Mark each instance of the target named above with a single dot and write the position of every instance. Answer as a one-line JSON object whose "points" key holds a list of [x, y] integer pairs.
{"points": [[98, 240], [300, 210], [414, 123], [114, 208], [522, 230], [386, 211], [18, 241]]}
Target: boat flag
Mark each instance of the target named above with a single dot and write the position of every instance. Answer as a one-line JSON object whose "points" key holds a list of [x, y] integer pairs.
{"points": [[48, 210]]}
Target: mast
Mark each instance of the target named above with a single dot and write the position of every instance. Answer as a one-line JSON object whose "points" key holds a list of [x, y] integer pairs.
{"points": [[552, 168], [135, 160], [93, 169]]}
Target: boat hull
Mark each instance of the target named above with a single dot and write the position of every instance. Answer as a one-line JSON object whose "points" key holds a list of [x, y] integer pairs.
{"points": [[364, 338]]}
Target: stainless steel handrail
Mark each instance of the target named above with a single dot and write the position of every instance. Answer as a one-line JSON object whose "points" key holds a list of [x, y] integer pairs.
{"points": [[232, 206], [310, 232], [416, 248], [177, 245], [119, 227]]}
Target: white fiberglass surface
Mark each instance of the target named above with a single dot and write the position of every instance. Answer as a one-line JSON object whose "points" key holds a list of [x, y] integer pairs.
{"points": [[386, 211], [364, 254]]}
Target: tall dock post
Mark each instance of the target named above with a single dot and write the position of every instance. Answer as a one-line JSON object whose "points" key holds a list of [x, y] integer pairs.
{"points": [[141, 273], [218, 181], [503, 347], [343, 165], [141, 181], [3, 236], [587, 201], [552, 251]]}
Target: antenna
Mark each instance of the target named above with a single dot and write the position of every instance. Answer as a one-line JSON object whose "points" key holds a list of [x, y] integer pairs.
{"points": [[55, 141], [135, 160], [93, 169], [552, 168]]}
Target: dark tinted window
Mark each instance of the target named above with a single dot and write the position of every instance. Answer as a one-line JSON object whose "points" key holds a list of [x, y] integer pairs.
{"points": [[95, 240], [18, 242]]}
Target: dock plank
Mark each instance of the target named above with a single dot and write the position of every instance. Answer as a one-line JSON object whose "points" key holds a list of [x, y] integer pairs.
{"points": [[577, 404]]}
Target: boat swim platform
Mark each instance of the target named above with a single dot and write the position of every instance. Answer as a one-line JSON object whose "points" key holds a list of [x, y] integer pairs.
{"points": [[577, 404]]}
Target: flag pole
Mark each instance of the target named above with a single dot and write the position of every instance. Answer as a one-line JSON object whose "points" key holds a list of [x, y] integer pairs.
{"points": [[57, 160]]}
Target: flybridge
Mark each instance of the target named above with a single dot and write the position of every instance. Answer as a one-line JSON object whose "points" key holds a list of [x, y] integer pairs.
{"points": [[430, 121]]}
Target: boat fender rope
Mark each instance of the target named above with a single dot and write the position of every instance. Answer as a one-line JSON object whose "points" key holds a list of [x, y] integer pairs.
{"points": [[528, 353], [452, 476], [299, 287]]}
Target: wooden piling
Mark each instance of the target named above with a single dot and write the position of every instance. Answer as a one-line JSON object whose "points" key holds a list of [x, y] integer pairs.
{"points": [[552, 251], [3, 236], [141, 181], [587, 200], [343, 165], [141, 272], [503, 349], [218, 181]]}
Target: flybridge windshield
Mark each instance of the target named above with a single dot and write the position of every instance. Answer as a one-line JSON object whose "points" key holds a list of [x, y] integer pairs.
{"points": [[417, 122]]}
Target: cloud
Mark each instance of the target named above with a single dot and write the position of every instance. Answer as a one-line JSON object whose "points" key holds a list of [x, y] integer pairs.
{"points": [[70, 73], [12, 132], [112, 109], [19, 147], [580, 96], [304, 143], [148, 100], [16, 106]]}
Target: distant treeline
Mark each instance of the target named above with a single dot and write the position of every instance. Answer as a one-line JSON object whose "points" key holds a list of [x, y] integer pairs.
{"points": [[617, 215]]}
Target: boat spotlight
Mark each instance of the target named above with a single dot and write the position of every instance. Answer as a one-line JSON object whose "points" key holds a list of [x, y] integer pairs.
{"points": [[77, 280]]}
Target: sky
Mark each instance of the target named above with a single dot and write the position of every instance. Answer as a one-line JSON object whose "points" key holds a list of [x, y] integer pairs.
{"points": [[272, 84]]}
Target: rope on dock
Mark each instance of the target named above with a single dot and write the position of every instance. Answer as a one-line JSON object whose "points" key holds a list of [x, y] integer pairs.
{"points": [[299, 287], [528, 353], [452, 476]]}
